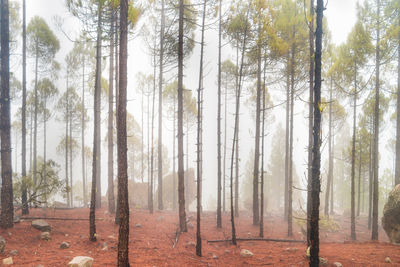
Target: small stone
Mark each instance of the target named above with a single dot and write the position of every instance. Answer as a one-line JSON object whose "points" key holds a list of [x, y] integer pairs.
{"points": [[138, 225], [64, 245], [66, 235], [14, 252], [190, 244], [227, 251], [45, 236], [190, 225], [2, 244], [8, 261], [161, 218], [246, 253], [291, 249], [323, 261], [308, 253], [104, 246], [81, 261], [337, 264], [17, 219], [41, 225], [388, 260], [215, 257], [39, 265]]}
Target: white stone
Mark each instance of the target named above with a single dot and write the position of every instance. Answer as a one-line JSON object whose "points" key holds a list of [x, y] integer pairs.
{"points": [[246, 253], [81, 261]]}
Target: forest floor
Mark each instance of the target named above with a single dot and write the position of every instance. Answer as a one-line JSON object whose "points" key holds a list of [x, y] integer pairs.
{"points": [[152, 242]]}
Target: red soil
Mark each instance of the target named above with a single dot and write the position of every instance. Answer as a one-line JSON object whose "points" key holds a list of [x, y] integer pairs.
{"points": [[151, 244]]}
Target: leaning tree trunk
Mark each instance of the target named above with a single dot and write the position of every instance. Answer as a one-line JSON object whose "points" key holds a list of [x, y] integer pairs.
{"points": [[123, 234], [7, 206], [375, 200], [96, 133], [24, 196], [160, 85], [111, 200], [181, 174], [316, 165], [219, 216]]}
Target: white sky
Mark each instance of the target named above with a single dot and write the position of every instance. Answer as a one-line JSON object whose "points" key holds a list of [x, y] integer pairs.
{"points": [[340, 15]]}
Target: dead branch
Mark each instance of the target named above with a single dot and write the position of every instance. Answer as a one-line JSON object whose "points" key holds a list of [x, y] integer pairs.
{"points": [[177, 234]]}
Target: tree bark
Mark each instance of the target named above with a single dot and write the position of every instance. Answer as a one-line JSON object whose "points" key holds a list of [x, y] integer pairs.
{"points": [[83, 134], [397, 169], [96, 133], [111, 200], [66, 144], [181, 174], [353, 152], [7, 206], [219, 216], [290, 178], [287, 142], [316, 166], [35, 119], [24, 196], [262, 157], [330, 160]]}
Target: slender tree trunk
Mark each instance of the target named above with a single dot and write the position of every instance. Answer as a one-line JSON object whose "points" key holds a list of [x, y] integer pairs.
{"points": [[237, 139], [7, 206], [44, 148], [224, 160], [174, 189], [160, 165], [142, 136], [35, 118], [151, 205], [330, 160], [70, 158], [371, 176], [219, 216], [316, 165], [290, 180], [375, 201], [310, 117], [24, 196], [199, 130], [332, 164], [353, 152], [287, 142], [116, 79], [66, 146], [111, 200], [359, 183], [397, 168], [256, 208], [123, 234], [181, 174], [262, 157], [96, 133], [83, 134]]}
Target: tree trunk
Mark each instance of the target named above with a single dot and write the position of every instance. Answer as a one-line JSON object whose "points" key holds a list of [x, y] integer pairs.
{"points": [[174, 189], [290, 178], [83, 134], [330, 160], [70, 158], [397, 168], [375, 201], [353, 153], [262, 157], [199, 130], [96, 133], [66, 145], [7, 206], [160, 165], [359, 183], [332, 157], [316, 165], [237, 139], [371, 177], [111, 200], [310, 118], [123, 234], [151, 204], [24, 196], [219, 216], [116, 77], [224, 160], [181, 174], [35, 119], [287, 142], [44, 149]]}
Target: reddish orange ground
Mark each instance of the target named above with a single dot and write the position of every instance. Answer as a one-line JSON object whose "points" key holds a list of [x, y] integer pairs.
{"points": [[151, 245]]}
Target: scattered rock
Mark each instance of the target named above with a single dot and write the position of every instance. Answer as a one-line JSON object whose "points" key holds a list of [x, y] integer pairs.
{"points": [[161, 218], [17, 219], [2, 244], [104, 246], [190, 244], [388, 260], [391, 215], [138, 225], [308, 253], [64, 245], [45, 236], [81, 261], [8, 261], [246, 253], [227, 251], [291, 249], [214, 256], [41, 225], [323, 261], [14, 252], [190, 225], [337, 264], [66, 235], [39, 265]]}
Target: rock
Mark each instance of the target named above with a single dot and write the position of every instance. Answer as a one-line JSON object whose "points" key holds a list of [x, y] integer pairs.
{"points": [[388, 260], [227, 251], [41, 225], [190, 225], [161, 218], [104, 246], [2, 244], [337, 264], [391, 215], [8, 261], [308, 253], [246, 253], [190, 244], [214, 256], [138, 225], [291, 249], [17, 219], [14, 252], [323, 261], [39, 265], [64, 245], [81, 261], [45, 236]]}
